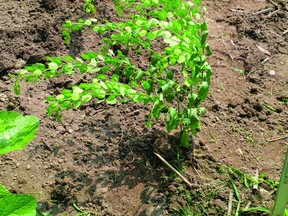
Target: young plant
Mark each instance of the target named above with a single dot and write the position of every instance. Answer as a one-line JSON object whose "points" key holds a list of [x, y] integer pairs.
{"points": [[176, 77]]}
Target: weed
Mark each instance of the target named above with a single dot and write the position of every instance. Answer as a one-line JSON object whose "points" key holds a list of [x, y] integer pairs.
{"points": [[240, 71], [82, 212]]}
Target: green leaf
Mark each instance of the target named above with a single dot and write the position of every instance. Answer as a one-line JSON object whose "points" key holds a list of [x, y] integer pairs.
{"points": [[198, 2], [18, 205], [99, 93], [88, 22], [203, 90], [202, 111], [156, 110], [37, 72], [111, 100], [17, 87], [142, 33], [16, 131], [167, 87], [146, 85], [181, 58], [60, 97], [162, 15], [262, 209], [184, 142], [139, 76], [3, 191], [77, 90], [237, 194], [56, 60], [194, 120], [53, 66], [75, 96], [166, 34], [152, 35], [177, 27]]}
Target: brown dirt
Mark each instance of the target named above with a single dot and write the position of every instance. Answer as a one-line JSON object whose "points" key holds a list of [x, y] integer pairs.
{"points": [[101, 157]]}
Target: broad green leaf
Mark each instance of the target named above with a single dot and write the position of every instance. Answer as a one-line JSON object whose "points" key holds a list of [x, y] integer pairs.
{"points": [[77, 104], [3, 191], [86, 98], [177, 27], [77, 90], [75, 96], [203, 90], [142, 33], [139, 76], [37, 72], [166, 34], [66, 92], [68, 68], [156, 110], [198, 2], [152, 35], [146, 85], [202, 111], [60, 97], [162, 15], [56, 60], [16, 131], [53, 66], [18, 205], [50, 98], [181, 58], [88, 22], [111, 100], [167, 87], [194, 120], [184, 142]]}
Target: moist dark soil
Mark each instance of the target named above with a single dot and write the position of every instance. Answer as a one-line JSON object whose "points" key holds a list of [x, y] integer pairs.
{"points": [[100, 157]]}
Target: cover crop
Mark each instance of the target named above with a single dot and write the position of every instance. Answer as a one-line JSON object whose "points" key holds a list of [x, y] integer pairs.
{"points": [[170, 34]]}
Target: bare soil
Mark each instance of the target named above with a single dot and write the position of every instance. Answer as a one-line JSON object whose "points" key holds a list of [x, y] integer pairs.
{"points": [[101, 157]]}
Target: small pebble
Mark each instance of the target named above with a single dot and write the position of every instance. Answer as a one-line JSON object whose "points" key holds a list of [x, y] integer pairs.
{"points": [[272, 72], [264, 194]]}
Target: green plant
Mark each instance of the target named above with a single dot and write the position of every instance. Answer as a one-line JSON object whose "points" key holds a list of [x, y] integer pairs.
{"points": [[175, 81], [89, 6], [82, 212], [16, 131]]}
